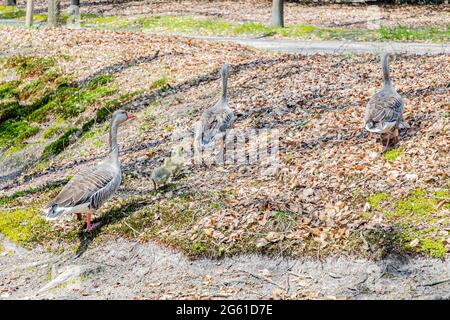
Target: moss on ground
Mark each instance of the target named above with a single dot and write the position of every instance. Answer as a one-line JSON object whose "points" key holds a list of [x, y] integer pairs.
{"points": [[27, 66], [377, 199], [392, 154], [15, 132], [55, 147], [25, 226], [23, 222], [159, 83], [418, 226], [43, 93]]}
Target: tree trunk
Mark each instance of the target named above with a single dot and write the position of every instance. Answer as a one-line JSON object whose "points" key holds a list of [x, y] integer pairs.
{"points": [[11, 2], [278, 13], [74, 8], [53, 13], [29, 16], [74, 14]]}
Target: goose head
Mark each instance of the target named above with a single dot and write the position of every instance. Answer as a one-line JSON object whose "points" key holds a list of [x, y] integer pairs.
{"points": [[120, 116], [225, 70]]}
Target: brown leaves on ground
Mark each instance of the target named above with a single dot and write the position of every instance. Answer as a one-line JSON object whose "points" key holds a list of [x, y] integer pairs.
{"points": [[328, 165]]}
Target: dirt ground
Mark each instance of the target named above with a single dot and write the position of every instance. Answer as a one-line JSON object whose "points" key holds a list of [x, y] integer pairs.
{"points": [[331, 15], [120, 269]]}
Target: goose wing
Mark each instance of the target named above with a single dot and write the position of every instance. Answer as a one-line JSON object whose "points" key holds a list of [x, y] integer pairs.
{"points": [[215, 122], [384, 108], [86, 186]]}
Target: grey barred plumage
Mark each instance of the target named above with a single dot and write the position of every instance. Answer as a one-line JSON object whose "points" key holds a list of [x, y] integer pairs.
{"points": [[90, 188], [384, 111], [215, 120]]}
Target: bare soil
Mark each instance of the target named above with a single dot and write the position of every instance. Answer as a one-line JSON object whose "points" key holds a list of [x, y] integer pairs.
{"points": [[120, 269]]}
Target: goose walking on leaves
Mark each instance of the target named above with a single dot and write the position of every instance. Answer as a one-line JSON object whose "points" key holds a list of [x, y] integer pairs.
{"points": [[90, 188], [215, 120], [384, 111]]}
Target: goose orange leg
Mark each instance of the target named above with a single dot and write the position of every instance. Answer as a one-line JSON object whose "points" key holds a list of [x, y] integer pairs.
{"points": [[89, 225], [396, 136]]}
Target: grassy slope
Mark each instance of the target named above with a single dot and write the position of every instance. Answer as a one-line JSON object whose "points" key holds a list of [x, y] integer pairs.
{"points": [[225, 220]]}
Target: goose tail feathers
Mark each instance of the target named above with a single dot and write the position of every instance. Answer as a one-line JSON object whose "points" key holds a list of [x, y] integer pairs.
{"points": [[54, 212]]}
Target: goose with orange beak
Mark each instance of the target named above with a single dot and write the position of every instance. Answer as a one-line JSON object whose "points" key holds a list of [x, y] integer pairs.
{"points": [[89, 189]]}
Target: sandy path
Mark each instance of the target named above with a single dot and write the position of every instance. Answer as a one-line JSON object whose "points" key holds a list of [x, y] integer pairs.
{"points": [[120, 269]]}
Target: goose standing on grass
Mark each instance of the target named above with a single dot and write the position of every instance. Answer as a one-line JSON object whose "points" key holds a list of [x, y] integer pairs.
{"points": [[215, 120], [90, 188], [384, 111]]}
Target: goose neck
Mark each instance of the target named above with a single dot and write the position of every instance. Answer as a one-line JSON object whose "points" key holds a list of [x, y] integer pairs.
{"points": [[113, 136], [385, 69], [224, 86]]}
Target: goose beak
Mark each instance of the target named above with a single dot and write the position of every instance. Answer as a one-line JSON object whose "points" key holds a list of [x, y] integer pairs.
{"points": [[131, 116]]}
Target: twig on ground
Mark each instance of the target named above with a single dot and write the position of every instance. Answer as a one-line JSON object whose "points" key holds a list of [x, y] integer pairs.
{"points": [[263, 278], [436, 283]]}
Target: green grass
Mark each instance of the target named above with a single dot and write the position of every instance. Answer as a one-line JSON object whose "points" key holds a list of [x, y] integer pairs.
{"points": [[111, 22], [159, 83], [283, 221], [216, 26], [6, 200], [11, 12]]}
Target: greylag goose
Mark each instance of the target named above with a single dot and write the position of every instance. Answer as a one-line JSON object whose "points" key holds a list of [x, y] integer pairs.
{"points": [[215, 120], [90, 188], [384, 111]]}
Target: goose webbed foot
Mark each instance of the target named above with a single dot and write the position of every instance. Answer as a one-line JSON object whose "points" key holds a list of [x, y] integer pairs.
{"points": [[90, 226]]}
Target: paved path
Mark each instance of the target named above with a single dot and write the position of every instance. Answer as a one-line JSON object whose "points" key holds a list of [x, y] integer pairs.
{"points": [[309, 46], [334, 47]]}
